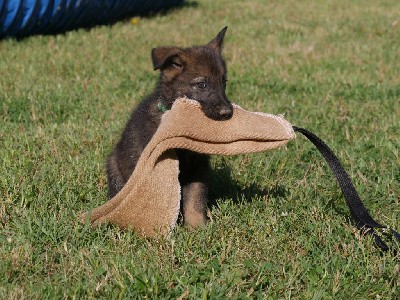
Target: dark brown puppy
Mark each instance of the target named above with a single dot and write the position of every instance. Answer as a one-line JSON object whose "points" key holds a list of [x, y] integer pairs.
{"points": [[199, 73]]}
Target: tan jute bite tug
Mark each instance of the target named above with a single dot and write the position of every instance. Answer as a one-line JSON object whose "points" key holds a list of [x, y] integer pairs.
{"points": [[149, 202]]}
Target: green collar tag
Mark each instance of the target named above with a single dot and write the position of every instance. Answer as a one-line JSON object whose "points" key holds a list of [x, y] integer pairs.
{"points": [[161, 107]]}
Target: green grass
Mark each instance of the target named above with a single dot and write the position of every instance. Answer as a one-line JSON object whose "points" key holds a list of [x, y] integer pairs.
{"points": [[279, 227]]}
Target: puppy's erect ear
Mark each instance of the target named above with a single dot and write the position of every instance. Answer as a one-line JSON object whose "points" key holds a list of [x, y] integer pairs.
{"points": [[163, 55], [218, 41]]}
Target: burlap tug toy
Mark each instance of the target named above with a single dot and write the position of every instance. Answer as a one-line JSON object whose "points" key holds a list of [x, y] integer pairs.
{"points": [[149, 203]]}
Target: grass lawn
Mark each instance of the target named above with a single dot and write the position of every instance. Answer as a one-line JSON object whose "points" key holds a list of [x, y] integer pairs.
{"points": [[279, 225]]}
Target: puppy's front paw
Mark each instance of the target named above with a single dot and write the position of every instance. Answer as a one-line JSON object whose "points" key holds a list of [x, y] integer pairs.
{"points": [[194, 219]]}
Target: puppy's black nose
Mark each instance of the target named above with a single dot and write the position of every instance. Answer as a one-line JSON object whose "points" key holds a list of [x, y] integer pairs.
{"points": [[226, 113]]}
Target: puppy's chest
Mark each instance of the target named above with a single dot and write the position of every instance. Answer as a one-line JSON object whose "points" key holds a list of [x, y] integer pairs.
{"points": [[190, 160]]}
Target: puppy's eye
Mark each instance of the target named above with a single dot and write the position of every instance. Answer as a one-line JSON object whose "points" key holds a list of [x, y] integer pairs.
{"points": [[201, 85], [176, 64]]}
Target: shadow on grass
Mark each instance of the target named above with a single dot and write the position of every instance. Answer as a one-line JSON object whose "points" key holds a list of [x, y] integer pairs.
{"points": [[163, 12], [223, 186]]}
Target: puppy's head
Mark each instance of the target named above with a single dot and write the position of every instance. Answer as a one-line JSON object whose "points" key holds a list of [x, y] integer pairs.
{"points": [[197, 72]]}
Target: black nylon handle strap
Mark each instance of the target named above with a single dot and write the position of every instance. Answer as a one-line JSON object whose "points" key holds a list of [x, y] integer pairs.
{"points": [[358, 211]]}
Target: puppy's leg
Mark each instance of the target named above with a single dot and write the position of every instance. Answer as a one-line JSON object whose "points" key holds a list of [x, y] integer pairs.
{"points": [[114, 177], [194, 173], [194, 204]]}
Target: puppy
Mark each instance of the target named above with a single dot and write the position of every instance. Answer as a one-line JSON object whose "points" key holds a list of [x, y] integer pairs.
{"points": [[199, 73]]}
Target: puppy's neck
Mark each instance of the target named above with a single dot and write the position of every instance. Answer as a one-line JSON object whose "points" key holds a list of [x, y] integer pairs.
{"points": [[165, 98]]}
